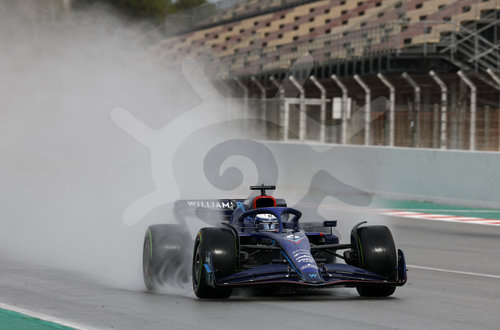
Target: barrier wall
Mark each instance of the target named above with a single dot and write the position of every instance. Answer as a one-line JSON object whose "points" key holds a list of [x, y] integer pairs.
{"points": [[454, 177]]}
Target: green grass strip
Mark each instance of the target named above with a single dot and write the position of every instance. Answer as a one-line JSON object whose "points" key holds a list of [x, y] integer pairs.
{"points": [[10, 320]]}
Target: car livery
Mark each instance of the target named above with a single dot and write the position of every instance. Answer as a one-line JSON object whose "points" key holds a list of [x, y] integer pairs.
{"points": [[261, 241]]}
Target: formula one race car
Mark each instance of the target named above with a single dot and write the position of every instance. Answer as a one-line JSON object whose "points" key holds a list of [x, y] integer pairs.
{"points": [[260, 241]]}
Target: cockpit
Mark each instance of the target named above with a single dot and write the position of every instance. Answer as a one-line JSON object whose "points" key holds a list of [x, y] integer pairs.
{"points": [[261, 220]]}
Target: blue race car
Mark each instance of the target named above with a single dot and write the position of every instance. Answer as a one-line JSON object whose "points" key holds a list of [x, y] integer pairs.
{"points": [[261, 242]]}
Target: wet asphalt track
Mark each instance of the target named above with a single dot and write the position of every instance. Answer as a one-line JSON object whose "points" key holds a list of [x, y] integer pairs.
{"points": [[431, 299]]}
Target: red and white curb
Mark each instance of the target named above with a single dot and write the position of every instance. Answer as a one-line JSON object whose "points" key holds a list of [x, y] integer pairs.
{"points": [[441, 217]]}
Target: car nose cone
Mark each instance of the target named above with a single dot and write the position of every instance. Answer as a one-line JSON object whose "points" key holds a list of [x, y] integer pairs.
{"points": [[313, 278]]}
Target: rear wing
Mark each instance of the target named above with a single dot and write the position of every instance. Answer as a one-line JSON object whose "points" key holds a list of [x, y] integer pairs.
{"points": [[216, 204], [212, 211]]}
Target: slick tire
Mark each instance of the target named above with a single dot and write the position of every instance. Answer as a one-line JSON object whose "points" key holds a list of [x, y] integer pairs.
{"points": [[377, 253], [217, 247], [166, 256]]}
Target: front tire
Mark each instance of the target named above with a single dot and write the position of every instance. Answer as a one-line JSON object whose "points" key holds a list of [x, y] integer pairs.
{"points": [[165, 256], [377, 253], [214, 248]]}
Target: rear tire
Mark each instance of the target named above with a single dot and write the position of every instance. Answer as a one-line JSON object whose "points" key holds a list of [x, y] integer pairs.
{"points": [[377, 253], [165, 256], [216, 246]]}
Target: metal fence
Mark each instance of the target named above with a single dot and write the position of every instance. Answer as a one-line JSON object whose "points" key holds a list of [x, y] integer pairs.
{"points": [[467, 120]]}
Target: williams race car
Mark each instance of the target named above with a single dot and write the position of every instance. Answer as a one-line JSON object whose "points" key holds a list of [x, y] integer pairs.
{"points": [[260, 242]]}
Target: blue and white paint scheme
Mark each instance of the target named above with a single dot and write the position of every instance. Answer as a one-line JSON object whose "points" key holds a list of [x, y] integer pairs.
{"points": [[294, 246]]}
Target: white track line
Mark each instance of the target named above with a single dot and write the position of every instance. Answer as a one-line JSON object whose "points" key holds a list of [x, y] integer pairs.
{"points": [[454, 271], [441, 217], [44, 317], [443, 210]]}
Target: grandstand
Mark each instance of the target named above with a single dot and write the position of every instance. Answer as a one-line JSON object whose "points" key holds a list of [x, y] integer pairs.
{"points": [[264, 38]]}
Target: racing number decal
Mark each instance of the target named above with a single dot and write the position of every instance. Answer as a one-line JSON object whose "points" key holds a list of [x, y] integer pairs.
{"points": [[294, 238]]}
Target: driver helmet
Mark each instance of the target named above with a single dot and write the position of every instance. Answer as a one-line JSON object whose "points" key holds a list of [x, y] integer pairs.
{"points": [[266, 222]]}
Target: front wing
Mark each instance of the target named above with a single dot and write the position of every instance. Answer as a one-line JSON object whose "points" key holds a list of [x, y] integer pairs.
{"points": [[332, 275]]}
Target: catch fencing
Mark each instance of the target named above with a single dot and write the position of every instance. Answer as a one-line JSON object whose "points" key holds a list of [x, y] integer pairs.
{"points": [[462, 117]]}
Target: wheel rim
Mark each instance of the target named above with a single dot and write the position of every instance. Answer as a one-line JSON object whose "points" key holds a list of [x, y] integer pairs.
{"points": [[145, 257], [197, 267]]}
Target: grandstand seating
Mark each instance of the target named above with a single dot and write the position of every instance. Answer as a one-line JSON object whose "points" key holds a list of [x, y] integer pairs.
{"points": [[244, 9], [442, 16], [327, 29]]}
